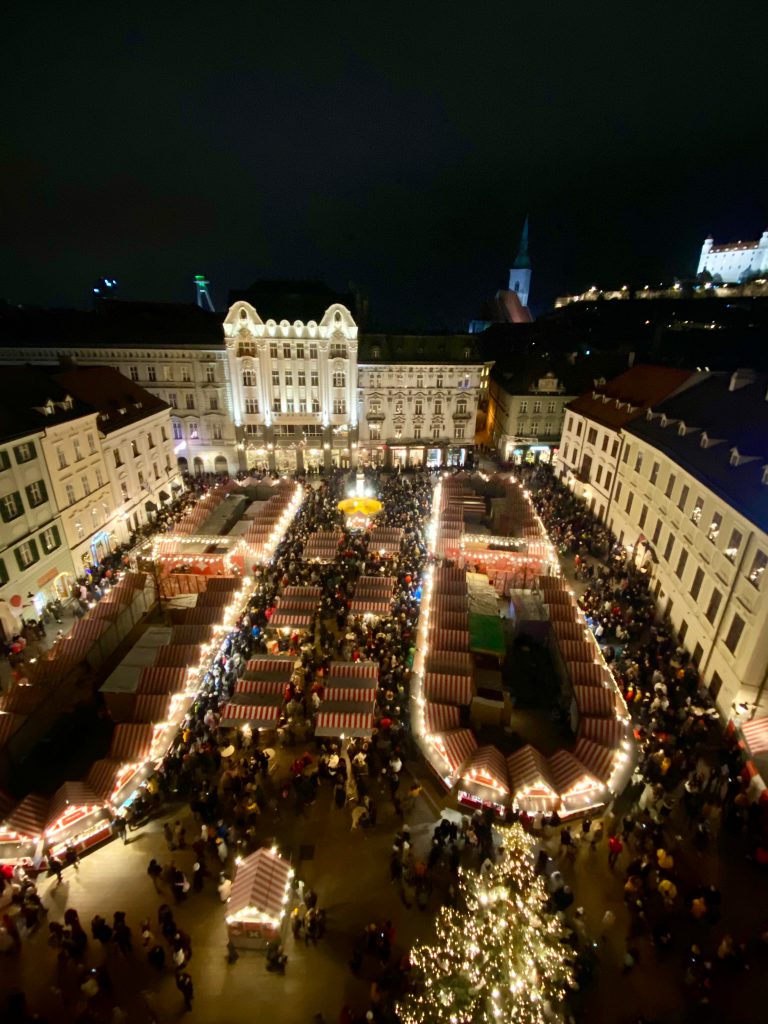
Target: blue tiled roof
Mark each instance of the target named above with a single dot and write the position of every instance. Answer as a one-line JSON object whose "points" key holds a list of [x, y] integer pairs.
{"points": [[735, 418]]}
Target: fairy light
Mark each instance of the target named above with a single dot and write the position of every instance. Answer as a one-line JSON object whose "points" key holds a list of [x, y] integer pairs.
{"points": [[502, 957]]}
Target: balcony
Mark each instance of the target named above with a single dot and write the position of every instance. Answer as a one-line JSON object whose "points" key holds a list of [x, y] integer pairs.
{"points": [[374, 417], [462, 415]]}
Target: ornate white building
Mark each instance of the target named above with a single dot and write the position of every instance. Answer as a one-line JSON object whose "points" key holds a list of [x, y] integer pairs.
{"points": [[733, 261]]}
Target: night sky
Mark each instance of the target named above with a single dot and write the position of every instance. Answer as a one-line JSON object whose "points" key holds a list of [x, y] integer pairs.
{"points": [[394, 145]]}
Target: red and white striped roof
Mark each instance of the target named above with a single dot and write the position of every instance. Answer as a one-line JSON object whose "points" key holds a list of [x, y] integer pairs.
{"points": [[609, 732], [440, 717], [595, 700], [84, 634], [487, 767], [599, 761], [353, 670], [370, 606], [280, 667], [202, 616], [563, 613], [227, 583], [9, 723], [587, 673], [567, 630], [303, 592], [261, 713], [28, 818], [450, 620], [104, 777], [448, 639], [350, 723], [568, 773], [161, 680], [71, 797], [273, 687], [456, 746], [347, 694], [178, 656], [755, 735], [447, 603], [292, 620], [261, 881], [152, 707], [190, 635], [576, 650], [528, 768], [375, 584], [131, 743], [458, 663], [296, 604], [213, 599], [448, 689]]}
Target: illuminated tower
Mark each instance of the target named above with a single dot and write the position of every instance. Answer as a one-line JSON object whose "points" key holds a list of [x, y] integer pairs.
{"points": [[520, 274], [204, 300]]}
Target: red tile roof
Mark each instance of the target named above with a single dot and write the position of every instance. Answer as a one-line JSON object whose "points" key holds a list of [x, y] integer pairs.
{"points": [[629, 395]]}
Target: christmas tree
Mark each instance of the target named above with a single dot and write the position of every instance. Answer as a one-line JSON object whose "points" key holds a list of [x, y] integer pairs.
{"points": [[501, 957]]}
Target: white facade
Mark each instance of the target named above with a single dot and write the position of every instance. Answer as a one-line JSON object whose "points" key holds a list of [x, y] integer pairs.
{"points": [[730, 262], [527, 421], [293, 389], [35, 562], [588, 459], [417, 414], [708, 564]]}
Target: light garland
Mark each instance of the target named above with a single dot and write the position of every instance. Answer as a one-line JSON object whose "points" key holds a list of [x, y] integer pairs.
{"points": [[502, 960]]}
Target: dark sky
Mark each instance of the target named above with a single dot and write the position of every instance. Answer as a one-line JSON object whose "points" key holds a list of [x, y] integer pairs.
{"points": [[394, 145]]}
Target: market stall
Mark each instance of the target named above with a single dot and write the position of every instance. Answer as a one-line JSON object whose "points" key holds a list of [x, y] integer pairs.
{"points": [[448, 639], [359, 670], [256, 908], [600, 761], [596, 701], [178, 656], [453, 748], [270, 687], [344, 723], [386, 540], [578, 789], [22, 833], [448, 688], [77, 817], [532, 785], [261, 712], [483, 781], [457, 663], [113, 781], [609, 732], [270, 668], [440, 717], [322, 546]]}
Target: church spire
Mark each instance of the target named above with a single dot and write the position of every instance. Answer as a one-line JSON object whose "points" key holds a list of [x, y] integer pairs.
{"points": [[522, 260]]}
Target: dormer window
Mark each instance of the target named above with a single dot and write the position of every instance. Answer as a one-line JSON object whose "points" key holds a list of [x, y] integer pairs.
{"points": [[681, 430], [704, 440], [765, 476], [735, 458]]}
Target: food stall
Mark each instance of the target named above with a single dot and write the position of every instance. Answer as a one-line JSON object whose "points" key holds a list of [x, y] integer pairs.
{"points": [[532, 784], [77, 817], [578, 789], [257, 905], [483, 781], [22, 832]]}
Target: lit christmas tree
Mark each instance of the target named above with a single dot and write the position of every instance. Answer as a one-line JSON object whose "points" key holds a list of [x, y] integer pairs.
{"points": [[501, 959]]}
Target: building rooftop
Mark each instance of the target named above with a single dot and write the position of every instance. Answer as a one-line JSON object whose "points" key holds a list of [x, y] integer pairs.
{"points": [[32, 400], [717, 430], [622, 399], [118, 400], [419, 348], [295, 300]]}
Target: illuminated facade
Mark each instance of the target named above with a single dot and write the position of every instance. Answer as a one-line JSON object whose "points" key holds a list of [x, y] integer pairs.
{"points": [[527, 425], [733, 261]]}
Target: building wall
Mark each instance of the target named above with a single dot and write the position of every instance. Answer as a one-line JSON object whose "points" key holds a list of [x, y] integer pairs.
{"points": [[706, 561], [34, 558], [293, 389], [730, 262], [525, 421], [81, 488], [412, 414], [587, 460]]}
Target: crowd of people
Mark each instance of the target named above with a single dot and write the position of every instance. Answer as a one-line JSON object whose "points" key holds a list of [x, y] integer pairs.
{"points": [[690, 782]]}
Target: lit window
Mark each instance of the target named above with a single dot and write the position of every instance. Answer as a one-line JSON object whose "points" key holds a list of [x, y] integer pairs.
{"points": [[193, 434], [759, 563], [714, 527]]}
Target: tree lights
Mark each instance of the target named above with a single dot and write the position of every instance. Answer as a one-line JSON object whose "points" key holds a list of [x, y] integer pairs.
{"points": [[499, 959]]}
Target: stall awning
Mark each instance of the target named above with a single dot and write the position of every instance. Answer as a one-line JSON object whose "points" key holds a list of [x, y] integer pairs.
{"points": [[569, 774], [302, 592], [563, 613], [487, 767], [447, 603], [69, 801], [178, 656], [527, 768], [450, 620], [292, 620], [599, 761], [369, 606], [131, 743], [353, 670], [567, 630], [105, 777], [348, 693], [440, 717], [190, 635], [28, 818], [280, 668], [755, 735], [152, 707], [609, 732], [266, 712], [261, 882], [448, 689], [348, 723], [162, 680], [586, 673], [271, 687], [448, 639], [576, 650], [456, 746], [595, 700]]}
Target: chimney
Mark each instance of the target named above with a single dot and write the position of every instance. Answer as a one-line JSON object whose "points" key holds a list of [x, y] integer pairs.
{"points": [[740, 378]]}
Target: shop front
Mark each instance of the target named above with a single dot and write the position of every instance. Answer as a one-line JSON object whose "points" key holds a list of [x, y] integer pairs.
{"points": [[434, 457], [313, 460], [457, 456], [285, 461], [530, 454], [373, 457], [340, 458]]}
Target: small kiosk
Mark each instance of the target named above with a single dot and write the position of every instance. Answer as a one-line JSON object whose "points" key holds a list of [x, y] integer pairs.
{"points": [[256, 908]]}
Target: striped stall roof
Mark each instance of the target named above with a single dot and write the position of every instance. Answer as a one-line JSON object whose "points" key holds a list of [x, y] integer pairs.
{"points": [[528, 767], [211, 616], [261, 713], [448, 688], [549, 583], [599, 761], [385, 540], [370, 606], [303, 592], [275, 687], [558, 597], [487, 767], [213, 599], [576, 650], [152, 707], [348, 693], [450, 574], [69, 797], [595, 700], [350, 723], [161, 680], [28, 818], [440, 717], [458, 663], [450, 620], [292, 620], [261, 881], [84, 634], [131, 743], [178, 656], [296, 604], [6, 803], [190, 635], [375, 583], [227, 583], [448, 639], [563, 613], [447, 603], [607, 731], [567, 630], [587, 673], [456, 746], [567, 772], [9, 723], [282, 668], [353, 670], [104, 777], [755, 735]]}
